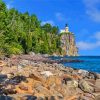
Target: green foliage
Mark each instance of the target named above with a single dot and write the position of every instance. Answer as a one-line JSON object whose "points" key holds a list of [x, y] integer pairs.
{"points": [[22, 33], [13, 48]]}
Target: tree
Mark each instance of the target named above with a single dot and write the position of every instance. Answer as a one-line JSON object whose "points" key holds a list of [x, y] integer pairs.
{"points": [[22, 33]]}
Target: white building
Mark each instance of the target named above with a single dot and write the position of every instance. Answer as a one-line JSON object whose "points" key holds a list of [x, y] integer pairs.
{"points": [[65, 30]]}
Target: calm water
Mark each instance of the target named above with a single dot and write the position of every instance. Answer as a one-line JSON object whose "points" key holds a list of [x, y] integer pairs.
{"points": [[91, 63]]}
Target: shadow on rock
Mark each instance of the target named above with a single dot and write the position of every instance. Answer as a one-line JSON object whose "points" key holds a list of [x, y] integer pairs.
{"points": [[3, 77], [30, 97], [2, 97], [17, 79]]}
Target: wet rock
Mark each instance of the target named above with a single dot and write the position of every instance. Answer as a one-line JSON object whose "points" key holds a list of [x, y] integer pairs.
{"points": [[85, 86]]}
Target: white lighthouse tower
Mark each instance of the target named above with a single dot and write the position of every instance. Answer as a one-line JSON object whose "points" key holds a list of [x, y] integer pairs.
{"points": [[66, 28]]}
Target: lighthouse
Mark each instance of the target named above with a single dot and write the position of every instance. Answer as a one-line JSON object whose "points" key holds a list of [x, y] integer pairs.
{"points": [[66, 28]]}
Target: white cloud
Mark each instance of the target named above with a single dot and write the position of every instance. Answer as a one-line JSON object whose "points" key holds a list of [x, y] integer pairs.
{"points": [[60, 16], [48, 21], [92, 9], [97, 35], [9, 6], [84, 45]]}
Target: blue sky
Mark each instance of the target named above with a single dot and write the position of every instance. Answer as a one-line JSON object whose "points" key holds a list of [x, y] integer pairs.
{"points": [[82, 16]]}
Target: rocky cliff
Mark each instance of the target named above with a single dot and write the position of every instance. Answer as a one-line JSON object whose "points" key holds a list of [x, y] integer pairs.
{"points": [[68, 44]]}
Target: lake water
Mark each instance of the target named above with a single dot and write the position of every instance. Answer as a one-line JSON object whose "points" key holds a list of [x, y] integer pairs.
{"points": [[90, 63]]}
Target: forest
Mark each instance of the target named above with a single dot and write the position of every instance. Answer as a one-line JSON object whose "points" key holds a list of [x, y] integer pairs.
{"points": [[21, 33]]}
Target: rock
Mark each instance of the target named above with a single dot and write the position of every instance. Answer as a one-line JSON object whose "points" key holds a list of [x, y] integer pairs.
{"points": [[73, 84], [2, 63], [97, 96], [46, 73], [10, 75], [24, 62], [43, 90], [22, 87], [35, 77], [40, 98], [97, 85], [83, 73], [52, 98], [31, 53], [59, 95], [2, 97], [92, 75], [87, 96], [7, 91], [98, 76], [73, 97], [85, 86], [53, 81], [17, 79], [3, 77]]}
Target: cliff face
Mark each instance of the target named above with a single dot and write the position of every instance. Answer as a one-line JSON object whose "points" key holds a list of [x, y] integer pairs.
{"points": [[68, 44]]}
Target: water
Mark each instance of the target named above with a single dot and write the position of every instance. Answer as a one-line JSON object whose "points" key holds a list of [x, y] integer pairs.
{"points": [[90, 63]]}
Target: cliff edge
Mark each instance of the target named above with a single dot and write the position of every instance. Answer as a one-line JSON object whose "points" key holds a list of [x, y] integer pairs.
{"points": [[68, 44]]}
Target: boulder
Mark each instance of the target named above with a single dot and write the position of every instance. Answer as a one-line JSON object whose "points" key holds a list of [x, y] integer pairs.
{"points": [[46, 73], [97, 96], [97, 85], [83, 73], [73, 84], [35, 77], [31, 53], [85, 86], [98, 76], [2, 63]]}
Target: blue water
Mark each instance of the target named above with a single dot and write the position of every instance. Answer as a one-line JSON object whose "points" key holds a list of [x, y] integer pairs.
{"points": [[90, 63]]}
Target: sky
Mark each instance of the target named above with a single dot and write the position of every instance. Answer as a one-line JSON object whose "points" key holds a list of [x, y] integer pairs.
{"points": [[82, 16]]}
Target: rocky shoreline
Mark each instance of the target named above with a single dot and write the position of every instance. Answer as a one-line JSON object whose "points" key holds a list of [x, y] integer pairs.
{"points": [[36, 77]]}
